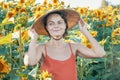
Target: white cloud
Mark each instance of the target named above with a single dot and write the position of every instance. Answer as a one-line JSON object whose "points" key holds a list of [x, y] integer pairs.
{"points": [[113, 2], [93, 4]]}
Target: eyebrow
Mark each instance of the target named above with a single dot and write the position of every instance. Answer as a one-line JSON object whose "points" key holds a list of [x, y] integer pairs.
{"points": [[58, 20]]}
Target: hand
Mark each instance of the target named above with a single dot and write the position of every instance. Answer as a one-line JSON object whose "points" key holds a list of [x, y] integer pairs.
{"points": [[82, 26], [32, 33]]}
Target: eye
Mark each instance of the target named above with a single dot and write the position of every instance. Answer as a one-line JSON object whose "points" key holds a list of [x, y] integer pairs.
{"points": [[50, 23], [60, 22]]}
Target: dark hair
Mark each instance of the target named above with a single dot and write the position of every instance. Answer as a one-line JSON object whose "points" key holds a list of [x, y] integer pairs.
{"points": [[61, 15]]}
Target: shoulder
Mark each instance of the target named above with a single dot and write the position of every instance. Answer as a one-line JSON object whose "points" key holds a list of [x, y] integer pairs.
{"points": [[76, 46], [41, 48]]}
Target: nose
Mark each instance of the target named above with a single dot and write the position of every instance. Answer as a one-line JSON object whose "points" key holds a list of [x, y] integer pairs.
{"points": [[56, 25]]}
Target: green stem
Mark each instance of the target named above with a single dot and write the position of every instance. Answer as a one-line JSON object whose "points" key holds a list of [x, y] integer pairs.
{"points": [[11, 54], [112, 62], [112, 55], [105, 64], [20, 50], [15, 62], [81, 70]]}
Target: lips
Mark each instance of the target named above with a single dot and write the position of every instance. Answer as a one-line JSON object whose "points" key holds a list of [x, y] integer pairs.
{"points": [[56, 30]]}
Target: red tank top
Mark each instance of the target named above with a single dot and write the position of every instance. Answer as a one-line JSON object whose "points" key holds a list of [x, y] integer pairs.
{"points": [[60, 70]]}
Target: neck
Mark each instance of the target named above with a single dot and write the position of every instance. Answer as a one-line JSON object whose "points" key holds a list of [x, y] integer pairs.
{"points": [[56, 43]]}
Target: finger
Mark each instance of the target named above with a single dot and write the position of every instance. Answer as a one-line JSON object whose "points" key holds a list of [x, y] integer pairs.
{"points": [[31, 27], [33, 30], [82, 21]]}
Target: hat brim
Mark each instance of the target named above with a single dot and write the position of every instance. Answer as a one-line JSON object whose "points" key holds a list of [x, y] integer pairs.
{"points": [[71, 16]]}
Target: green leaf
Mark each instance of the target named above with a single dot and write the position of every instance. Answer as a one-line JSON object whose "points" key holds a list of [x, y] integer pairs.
{"points": [[33, 73]]}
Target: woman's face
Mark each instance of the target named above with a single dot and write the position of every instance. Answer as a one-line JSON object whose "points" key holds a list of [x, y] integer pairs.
{"points": [[56, 26]]}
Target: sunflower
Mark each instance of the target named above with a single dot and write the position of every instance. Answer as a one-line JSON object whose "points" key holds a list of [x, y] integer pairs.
{"points": [[1, 75], [97, 13], [5, 6], [101, 25], [82, 11], [23, 10], [39, 8], [116, 36], [62, 3], [89, 45], [45, 2], [50, 5], [115, 11], [17, 27], [30, 2], [37, 14], [24, 78], [102, 42], [109, 22], [25, 35], [86, 19], [21, 1], [17, 9], [4, 67], [45, 75], [116, 32], [93, 33], [102, 17], [1, 34], [10, 14], [55, 2], [6, 39], [84, 40], [109, 9], [118, 16]]}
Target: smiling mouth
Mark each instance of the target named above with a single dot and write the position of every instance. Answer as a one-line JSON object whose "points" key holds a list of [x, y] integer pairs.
{"points": [[56, 30]]}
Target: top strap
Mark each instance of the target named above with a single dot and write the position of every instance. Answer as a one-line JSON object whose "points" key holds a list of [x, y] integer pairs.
{"points": [[70, 48], [45, 49]]}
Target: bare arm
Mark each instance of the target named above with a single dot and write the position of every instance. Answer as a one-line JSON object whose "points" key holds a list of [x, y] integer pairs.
{"points": [[34, 53], [96, 51]]}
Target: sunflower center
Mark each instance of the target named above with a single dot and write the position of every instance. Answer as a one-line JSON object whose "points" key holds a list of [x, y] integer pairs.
{"points": [[1, 66]]}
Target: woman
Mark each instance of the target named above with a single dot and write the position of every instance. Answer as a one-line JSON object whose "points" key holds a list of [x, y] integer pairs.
{"points": [[57, 56]]}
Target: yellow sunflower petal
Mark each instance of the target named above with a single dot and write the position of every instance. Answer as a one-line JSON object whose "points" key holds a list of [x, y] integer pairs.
{"points": [[6, 39], [4, 66]]}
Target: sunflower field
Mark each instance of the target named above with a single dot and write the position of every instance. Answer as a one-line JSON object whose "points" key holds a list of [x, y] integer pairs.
{"points": [[17, 16]]}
